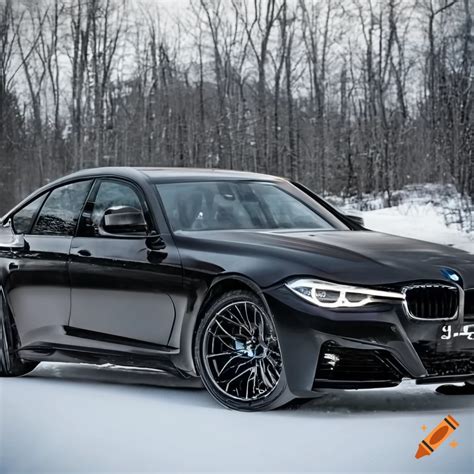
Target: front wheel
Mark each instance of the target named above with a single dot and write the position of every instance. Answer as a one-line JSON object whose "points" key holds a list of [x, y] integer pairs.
{"points": [[238, 354]]}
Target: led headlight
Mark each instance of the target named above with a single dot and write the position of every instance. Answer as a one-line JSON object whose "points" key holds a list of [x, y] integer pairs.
{"points": [[333, 295]]}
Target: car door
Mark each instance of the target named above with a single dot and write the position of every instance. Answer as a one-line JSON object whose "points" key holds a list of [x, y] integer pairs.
{"points": [[37, 284], [120, 285]]}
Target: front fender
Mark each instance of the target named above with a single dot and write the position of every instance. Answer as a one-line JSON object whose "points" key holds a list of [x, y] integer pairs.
{"points": [[191, 307]]}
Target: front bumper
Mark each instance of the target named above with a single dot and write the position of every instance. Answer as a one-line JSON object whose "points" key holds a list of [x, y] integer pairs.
{"points": [[370, 347]]}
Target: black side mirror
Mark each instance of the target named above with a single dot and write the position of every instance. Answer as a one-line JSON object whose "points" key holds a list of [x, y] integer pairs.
{"points": [[355, 219], [123, 220]]}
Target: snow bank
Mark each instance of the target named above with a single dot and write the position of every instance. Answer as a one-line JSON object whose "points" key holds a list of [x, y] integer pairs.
{"points": [[418, 221]]}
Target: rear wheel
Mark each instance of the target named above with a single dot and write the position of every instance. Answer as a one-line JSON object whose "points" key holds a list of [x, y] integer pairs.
{"points": [[10, 364], [238, 354]]}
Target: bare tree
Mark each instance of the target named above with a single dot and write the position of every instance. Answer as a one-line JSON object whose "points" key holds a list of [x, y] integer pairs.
{"points": [[348, 96], [259, 22]]}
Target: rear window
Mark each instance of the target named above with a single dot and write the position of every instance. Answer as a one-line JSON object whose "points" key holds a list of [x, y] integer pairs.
{"points": [[23, 219], [60, 213]]}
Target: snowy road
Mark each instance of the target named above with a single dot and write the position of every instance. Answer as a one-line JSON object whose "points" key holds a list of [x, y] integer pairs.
{"points": [[90, 419]]}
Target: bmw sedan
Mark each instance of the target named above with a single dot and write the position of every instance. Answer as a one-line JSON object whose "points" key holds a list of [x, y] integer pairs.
{"points": [[251, 282]]}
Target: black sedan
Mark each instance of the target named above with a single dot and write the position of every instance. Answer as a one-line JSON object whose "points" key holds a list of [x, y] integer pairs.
{"points": [[251, 282]]}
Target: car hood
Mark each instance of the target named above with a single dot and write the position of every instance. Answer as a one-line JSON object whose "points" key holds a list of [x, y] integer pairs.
{"points": [[361, 257]]}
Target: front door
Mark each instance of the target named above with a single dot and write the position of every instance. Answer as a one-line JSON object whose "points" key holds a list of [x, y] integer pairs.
{"points": [[120, 288]]}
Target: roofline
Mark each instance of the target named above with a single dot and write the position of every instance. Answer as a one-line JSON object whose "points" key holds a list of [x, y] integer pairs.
{"points": [[91, 173], [140, 174], [212, 172]]}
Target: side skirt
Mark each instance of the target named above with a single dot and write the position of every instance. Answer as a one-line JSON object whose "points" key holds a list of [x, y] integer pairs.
{"points": [[57, 353], [83, 346]]}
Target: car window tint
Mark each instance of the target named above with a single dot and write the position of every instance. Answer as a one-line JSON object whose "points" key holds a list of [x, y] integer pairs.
{"points": [[61, 210], [113, 194], [235, 205], [23, 219], [287, 212]]}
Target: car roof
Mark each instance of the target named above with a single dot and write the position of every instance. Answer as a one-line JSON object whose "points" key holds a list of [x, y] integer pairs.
{"points": [[168, 173], [140, 174], [200, 173]]}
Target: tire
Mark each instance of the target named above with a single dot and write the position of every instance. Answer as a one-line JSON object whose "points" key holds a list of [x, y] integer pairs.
{"points": [[238, 355], [10, 364]]}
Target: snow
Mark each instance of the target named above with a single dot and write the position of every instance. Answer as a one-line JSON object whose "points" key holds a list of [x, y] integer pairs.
{"points": [[422, 221], [78, 418], [433, 212]]}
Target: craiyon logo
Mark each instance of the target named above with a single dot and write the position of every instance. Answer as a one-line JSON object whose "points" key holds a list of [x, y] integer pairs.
{"points": [[437, 437]]}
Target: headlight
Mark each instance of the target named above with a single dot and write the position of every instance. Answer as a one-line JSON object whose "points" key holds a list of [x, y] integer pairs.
{"points": [[333, 295]]}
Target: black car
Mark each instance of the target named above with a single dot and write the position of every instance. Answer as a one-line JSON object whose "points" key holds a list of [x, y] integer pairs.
{"points": [[249, 281]]}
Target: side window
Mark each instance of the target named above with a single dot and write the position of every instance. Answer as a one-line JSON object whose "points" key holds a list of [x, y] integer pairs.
{"points": [[112, 194], [23, 220], [61, 210]]}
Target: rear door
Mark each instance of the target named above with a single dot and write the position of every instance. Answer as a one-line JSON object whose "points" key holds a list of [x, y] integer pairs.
{"points": [[120, 287], [37, 284]]}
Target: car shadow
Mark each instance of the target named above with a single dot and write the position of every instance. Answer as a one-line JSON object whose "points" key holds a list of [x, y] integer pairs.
{"points": [[406, 398]]}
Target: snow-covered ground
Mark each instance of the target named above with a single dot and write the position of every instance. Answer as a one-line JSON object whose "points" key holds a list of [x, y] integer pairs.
{"points": [[78, 418], [88, 419], [423, 221], [432, 212]]}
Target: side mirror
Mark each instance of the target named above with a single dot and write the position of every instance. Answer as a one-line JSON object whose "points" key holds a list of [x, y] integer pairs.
{"points": [[11, 241], [123, 220], [356, 219]]}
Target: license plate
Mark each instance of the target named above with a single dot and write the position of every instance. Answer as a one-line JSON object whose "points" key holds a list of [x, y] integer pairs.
{"points": [[450, 332]]}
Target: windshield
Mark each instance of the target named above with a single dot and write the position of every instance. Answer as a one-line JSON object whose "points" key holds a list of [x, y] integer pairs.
{"points": [[225, 205]]}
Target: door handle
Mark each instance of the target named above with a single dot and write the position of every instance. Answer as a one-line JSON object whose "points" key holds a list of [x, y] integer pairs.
{"points": [[84, 253]]}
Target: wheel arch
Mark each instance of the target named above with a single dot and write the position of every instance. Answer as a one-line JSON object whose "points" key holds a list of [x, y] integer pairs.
{"points": [[224, 284], [220, 285]]}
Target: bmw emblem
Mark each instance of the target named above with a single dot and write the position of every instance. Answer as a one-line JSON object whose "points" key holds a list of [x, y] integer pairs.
{"points": [[450, 274]]}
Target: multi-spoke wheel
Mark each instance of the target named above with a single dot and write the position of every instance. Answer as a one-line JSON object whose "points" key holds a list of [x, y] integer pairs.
{"points": [[239, 356]]}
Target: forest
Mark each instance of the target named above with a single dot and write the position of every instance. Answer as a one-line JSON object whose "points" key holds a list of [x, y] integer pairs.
{"points": [[347, 96]]}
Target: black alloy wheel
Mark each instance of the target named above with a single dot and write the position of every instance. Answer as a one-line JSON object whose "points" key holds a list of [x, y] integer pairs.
{"points": [[238, 354]]}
